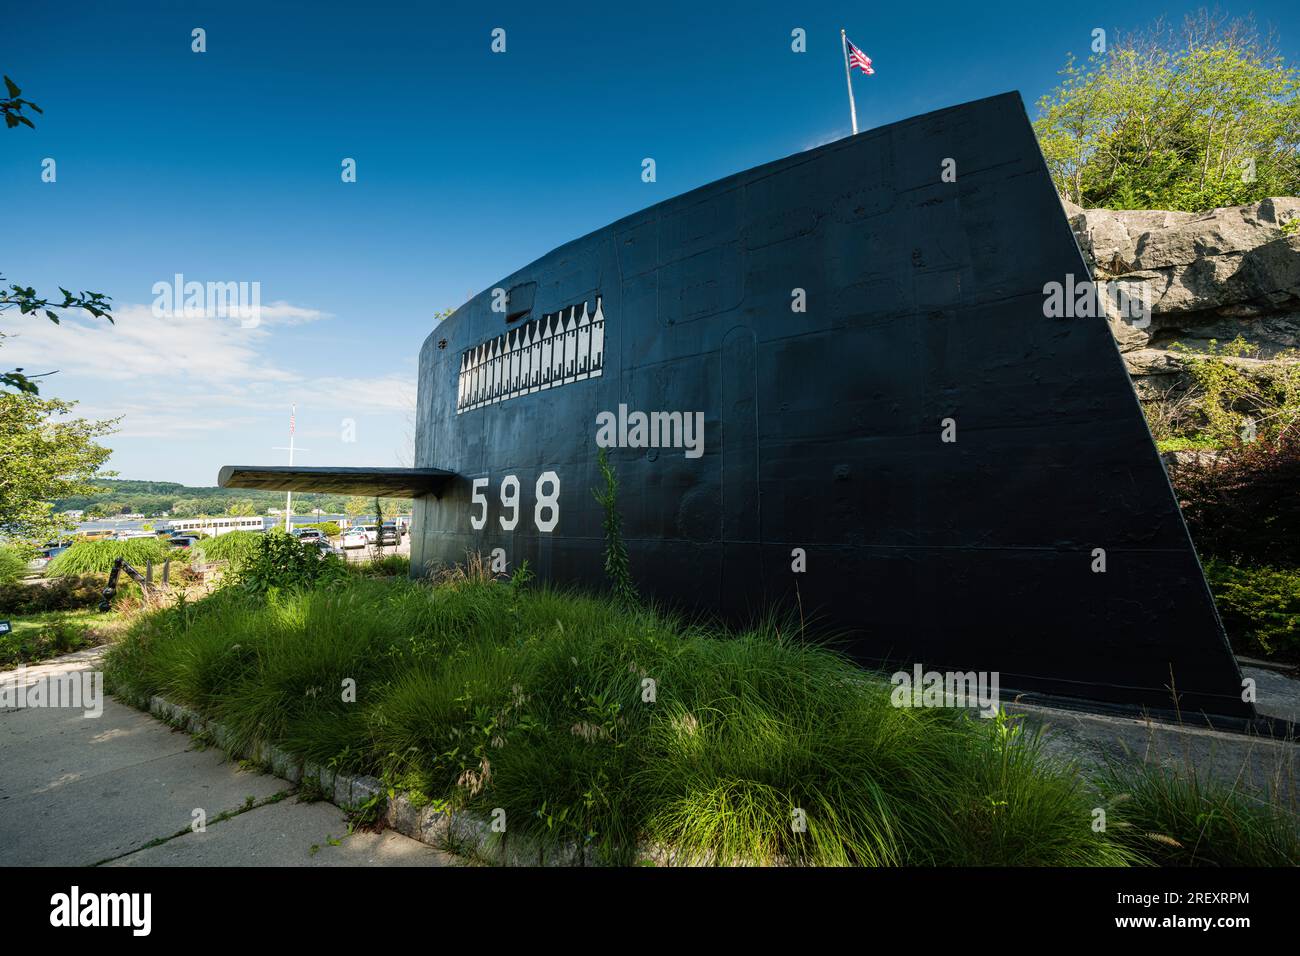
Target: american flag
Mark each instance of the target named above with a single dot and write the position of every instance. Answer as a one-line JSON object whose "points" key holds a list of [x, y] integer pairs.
{"points": [[859, 59]]}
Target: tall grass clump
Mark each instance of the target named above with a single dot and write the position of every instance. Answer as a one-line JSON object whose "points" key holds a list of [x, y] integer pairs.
{"points": [[392, 565], [97, 557], [615, 728], [12, 565], [590, 723], [1172, 816], [233, 546]]}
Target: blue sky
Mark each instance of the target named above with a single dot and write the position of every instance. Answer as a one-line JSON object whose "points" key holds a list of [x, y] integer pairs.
{"points": [[225, 166]]}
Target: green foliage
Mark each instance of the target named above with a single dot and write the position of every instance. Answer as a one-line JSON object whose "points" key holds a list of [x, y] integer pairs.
{"points": [[60, 594], [12, 106], [12, 565], [42, 636], [279, 562], [1172, 817], [1206, 119], [43, 455], [1185, 444], [233, 546], [617, 568], [1233, 399], [481, 694], [97, 557], [1260, 607], [392, 565], [330, 529]]}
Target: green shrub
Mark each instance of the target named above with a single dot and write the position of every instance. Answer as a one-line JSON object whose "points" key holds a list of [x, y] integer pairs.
{"points": [[1260, 607], [12, 566], [330, 529], [42, 639], [280, 561], [69, 593], [97, 557]]}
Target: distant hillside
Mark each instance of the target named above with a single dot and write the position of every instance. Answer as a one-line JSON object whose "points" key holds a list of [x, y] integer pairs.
{"points": [[125, 496]]}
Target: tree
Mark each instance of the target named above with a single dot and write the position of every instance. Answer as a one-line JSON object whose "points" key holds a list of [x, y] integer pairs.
{"points": [[43, 456], [357, 506], [241, 509], [27, 298], [1207, 118]]}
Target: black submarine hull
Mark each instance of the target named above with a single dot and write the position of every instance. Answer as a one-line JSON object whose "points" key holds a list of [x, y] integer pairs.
{"points": [[822, 428], [896, 440]]}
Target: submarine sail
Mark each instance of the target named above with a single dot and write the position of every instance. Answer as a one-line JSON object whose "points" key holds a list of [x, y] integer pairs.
{"points": [[830, 382]]}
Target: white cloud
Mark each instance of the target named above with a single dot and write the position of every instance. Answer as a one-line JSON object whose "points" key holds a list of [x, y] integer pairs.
{"points": [[139, 346], [283, 313], [181, 376]]}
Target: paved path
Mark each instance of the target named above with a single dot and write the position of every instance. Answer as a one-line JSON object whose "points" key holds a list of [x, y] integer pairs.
{"points": [[121, 790]]}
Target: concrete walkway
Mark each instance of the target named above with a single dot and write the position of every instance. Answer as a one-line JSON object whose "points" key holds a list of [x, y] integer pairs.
{"points": [[121, 790]]}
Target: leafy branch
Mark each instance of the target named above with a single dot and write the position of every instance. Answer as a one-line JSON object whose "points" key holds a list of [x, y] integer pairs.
{"points": [[26, 297], [12, 106]]}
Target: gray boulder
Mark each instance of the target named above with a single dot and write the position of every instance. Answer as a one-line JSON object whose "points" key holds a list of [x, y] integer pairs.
{"points": [[1214, 275]]}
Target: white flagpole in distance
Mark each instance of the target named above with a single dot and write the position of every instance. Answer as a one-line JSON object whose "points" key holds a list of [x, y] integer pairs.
{"points": [[848, 78], [288, 495]]}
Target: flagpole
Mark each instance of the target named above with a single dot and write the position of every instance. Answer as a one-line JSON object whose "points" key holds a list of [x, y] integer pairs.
{"points": [[848, 79], [288, 495]]}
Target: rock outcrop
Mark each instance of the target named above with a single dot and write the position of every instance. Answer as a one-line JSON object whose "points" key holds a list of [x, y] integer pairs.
{"points": [[1214, 275]]}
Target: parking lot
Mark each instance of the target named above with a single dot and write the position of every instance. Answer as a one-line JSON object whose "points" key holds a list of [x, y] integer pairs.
{"points": [[367, 553]]}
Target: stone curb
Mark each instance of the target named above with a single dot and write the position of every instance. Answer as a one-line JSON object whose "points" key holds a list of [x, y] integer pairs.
{"points": [[458, 832]]}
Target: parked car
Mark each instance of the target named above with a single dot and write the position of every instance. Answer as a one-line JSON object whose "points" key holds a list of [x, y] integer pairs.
{"points": [[309, 534], [182, 541], [327, 548], [390, 534], [359, 536], [45, 555]]}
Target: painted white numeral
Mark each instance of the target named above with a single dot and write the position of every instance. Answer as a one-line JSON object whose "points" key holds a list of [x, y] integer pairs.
{"points": [[510, 501], [547, 502], [479, 499]]}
